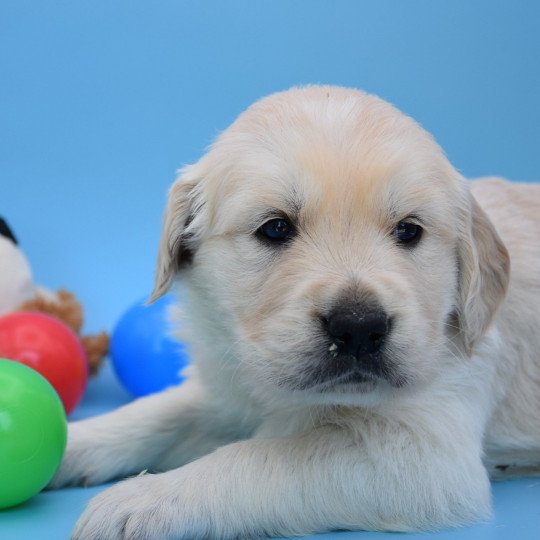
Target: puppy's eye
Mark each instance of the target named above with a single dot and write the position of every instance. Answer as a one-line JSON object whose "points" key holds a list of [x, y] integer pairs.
{"points": [[408, 233], [277, 230]]}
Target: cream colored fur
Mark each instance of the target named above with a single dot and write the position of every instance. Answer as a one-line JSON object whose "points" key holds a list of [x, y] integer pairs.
{"points": [[243, 448]]}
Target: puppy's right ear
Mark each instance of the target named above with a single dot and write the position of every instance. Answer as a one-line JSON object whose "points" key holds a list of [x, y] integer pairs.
{"points": [[179, 236]]}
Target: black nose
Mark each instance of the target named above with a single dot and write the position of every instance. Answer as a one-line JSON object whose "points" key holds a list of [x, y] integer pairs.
{"points": [[357, 332]]}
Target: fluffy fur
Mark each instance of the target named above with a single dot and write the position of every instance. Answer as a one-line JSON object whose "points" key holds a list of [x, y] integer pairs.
{"points": [[259, 441]]}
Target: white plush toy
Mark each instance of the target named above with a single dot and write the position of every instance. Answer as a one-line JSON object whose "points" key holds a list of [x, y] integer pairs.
{"points": [[16, 286], [19, 293]]}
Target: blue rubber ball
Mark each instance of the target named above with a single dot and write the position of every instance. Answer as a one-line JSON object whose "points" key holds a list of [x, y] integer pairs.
{"points": [[145, 357]]}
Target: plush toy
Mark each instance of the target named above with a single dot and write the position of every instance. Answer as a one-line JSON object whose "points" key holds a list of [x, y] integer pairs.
{"points": [[19, 293]]}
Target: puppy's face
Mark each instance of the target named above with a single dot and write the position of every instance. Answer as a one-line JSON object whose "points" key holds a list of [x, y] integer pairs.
{"points": [[327, 245]]}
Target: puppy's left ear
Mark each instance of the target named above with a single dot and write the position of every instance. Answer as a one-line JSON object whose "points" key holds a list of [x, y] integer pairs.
{"points": [[181, 231], [484, 267]]}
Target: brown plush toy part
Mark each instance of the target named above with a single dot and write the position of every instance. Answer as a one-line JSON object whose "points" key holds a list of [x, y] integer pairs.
{"points": [[18, 292], [63, 306]]}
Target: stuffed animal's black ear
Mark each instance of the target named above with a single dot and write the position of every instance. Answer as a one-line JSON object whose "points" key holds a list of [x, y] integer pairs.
{"points": [[6, 231]]}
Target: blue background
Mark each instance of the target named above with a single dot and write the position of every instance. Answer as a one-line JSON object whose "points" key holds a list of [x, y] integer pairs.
{"points": [[102, 100]]}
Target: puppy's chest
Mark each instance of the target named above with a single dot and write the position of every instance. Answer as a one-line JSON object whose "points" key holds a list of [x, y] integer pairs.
{"points": [[288, 423]]}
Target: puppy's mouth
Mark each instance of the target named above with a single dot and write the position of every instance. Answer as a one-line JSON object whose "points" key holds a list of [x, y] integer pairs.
{"points": [[355, 379], [346, 374]]}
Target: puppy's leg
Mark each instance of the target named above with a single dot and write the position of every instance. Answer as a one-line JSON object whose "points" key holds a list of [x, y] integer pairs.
{"points": [[507, 462], [392, 477], [154, 433]]}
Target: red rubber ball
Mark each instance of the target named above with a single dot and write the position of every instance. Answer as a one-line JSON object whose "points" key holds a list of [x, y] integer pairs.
{"points": [[51, 348]]}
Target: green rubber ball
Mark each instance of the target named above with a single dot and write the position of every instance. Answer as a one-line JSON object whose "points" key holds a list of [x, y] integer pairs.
{"points": [[33, 432]]}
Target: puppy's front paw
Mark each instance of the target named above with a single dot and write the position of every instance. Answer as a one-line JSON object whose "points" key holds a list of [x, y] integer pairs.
{"points": [[143, 508], [85, 462]]}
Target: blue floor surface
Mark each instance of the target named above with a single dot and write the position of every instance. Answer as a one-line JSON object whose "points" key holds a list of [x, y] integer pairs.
{"points": [[52, 515]]}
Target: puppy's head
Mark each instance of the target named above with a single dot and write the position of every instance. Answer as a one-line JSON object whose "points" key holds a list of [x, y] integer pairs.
{"points": [[329, 248]]}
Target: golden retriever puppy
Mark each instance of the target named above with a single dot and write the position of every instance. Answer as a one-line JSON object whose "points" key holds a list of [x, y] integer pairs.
{"points": [[362, 356]]}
